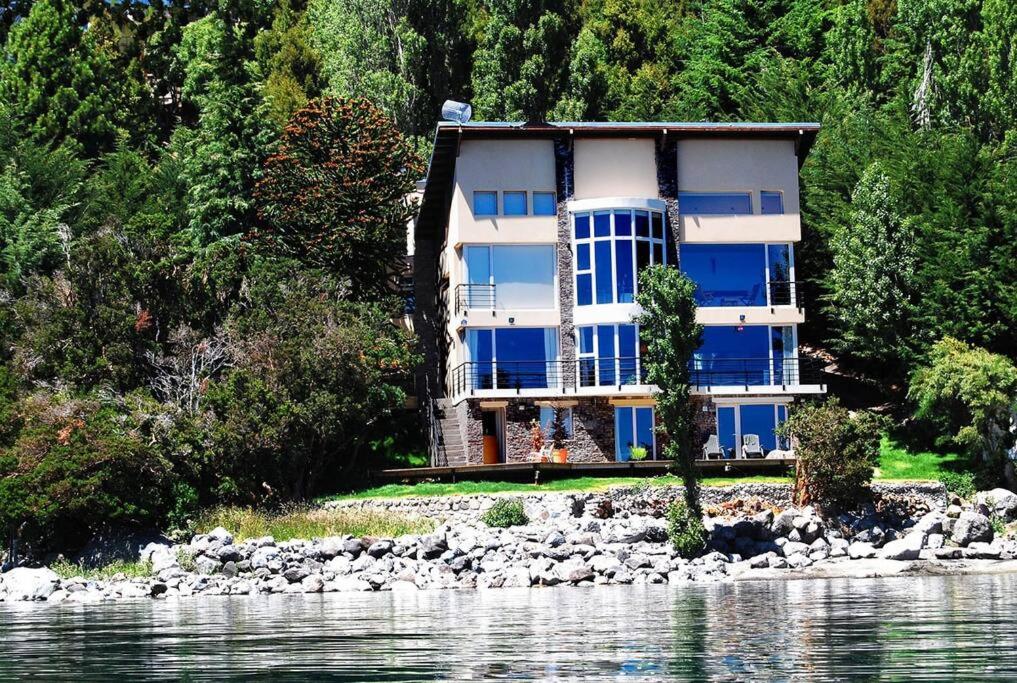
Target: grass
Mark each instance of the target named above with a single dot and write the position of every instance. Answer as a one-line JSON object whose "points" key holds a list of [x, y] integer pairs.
{"points": [[245, 523], [131, 570], [897, 463], [573, 484]]}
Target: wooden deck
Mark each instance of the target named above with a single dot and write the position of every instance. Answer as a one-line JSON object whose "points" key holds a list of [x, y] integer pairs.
{"points": [[536, 471]]}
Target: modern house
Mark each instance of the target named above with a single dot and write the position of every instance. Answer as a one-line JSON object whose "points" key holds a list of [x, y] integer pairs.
{"points": [[528, 244]]}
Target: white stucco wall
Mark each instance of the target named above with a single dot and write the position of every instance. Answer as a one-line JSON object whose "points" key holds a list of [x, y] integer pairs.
{"points": [[615, 168]]}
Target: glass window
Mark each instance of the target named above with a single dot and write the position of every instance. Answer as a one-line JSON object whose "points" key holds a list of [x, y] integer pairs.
{"points": [[726, 430], [609, 355], [544, 204], [606, 355], [715, 203], [614, 269], [485, 203], [760, 420], [478, 265], [633, 427], [726, 274], [733, 355], [514, 203], [771, 202], [514, 357], [547, 420], [524, 276]]}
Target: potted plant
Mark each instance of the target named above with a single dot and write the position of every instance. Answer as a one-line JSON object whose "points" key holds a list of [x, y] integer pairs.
{"points": [[536, 441], [559, 435], [638, 453]]}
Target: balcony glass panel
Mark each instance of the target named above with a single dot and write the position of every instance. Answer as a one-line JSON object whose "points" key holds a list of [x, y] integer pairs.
{"points": [[714, 203], [513, 357], [726, 274]]}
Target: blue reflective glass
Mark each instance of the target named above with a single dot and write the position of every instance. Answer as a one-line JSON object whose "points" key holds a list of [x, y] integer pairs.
{"points": [[779, 260], [771, 202], [582, 257], [642, 224], [485, 203], [584, 289], [547, 419], [658, 226], [644, 429], [605, 353], [602, 258], [627, 354], [585, 340], [582, 226], [714, 203], [622, 223], [624, 439], [514, 203], [481, 353], [726, 274], [544, 204], [726, 430], [733, 356], [478, 265], [759, 420], [783, 442], [523, 353], [601, 223], [626, 278]]}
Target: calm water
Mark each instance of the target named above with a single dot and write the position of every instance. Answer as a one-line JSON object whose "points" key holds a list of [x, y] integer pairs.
{"points": [[931, 628]]}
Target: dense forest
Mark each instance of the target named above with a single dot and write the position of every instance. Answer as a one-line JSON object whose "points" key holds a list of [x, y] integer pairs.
{"points": [[200, 201]]}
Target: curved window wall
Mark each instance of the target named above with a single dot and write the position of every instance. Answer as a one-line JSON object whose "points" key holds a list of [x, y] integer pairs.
{"points": [[611, 247]]}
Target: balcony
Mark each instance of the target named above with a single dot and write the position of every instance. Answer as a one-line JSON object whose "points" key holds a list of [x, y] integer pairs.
{"points": [[597, 376], [475, 296]]}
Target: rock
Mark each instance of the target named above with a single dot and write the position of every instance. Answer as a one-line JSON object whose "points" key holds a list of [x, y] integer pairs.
{"points": [[353, 546], [931, 523], [162, 558], [935, 541], [970, 527], [907, 548], [229, 553], [348, 584], [636, 561], [312, 584], [947, 553], [798, 561], [158, 588], [380, 548], [207, 565], [220, 534], [793, 548], [978, 550], [555, 539], [24, 583], [134, 590], [860, 550], [229, 570], [776, 562], [783, 523], [58, 596], [605, 564], [954, 511], [517, 577], [296, 574], [1000, 502], [573, 571], [263, 556], [430, 548]]}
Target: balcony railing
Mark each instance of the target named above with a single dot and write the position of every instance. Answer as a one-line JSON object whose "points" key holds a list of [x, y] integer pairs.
{"points": [[560, 376], [474, 296], [778, 293]]}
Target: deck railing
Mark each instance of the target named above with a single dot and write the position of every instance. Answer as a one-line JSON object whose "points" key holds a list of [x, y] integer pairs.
{"points": [[474, 296]]}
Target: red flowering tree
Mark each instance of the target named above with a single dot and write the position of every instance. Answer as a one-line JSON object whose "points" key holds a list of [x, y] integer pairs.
{"points": [[334, 196]]}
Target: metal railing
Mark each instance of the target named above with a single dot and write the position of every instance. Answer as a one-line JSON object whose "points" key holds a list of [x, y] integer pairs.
{"points": [[474, 296], [559, 375], [776, 293], [784, 293]]}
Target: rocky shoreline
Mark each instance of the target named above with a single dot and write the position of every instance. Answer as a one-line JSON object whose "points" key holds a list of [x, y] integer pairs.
{"points": [[613, 538]]}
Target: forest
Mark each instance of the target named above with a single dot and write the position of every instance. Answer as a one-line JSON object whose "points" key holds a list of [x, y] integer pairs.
{"points": [[201, 200]]}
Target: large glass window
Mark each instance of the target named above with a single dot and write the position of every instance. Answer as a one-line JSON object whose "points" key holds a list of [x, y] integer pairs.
{"points": [[735, 422], [544, 204], [547, 421], [513, 358], [633, 427], [715, 203], [485, 203], [771, 202], [514, 203], [739, 274], [609, 355], [611, 248], [754, 355], [511, 276]]}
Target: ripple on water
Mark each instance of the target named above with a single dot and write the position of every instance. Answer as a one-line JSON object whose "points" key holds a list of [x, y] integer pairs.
{"points": [[924, 628]]}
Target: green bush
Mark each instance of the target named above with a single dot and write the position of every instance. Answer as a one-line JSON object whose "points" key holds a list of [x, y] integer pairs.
{"points": [[505, 513], [961, 483], [685, 530], [836, 452]]}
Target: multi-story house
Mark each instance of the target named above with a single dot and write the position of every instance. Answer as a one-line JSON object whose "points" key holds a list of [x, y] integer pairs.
{"points": [[528, 245]]}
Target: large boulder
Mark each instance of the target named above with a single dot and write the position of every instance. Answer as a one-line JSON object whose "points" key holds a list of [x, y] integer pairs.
{"points": [[24, 583], [907, 548], [860, 550], [999, 502], [971, 527]]}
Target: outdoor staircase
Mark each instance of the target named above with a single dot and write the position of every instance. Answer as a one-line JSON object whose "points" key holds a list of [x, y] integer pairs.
{"points": [[451, 448]]}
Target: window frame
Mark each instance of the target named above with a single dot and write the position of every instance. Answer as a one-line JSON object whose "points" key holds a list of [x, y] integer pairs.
{"points": [[594, 355], [780, 198], [554, 202], [526, 203], [477, 214], [716, 193], [635, 422], [612, 238]]}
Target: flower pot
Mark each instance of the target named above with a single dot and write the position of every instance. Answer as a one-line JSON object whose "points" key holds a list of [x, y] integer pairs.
{"points": [[561, 455]]}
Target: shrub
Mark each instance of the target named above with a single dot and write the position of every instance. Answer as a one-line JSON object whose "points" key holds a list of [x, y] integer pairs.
{"points": [[505, 513], [961, 483], [836, 452], [685, 530]]}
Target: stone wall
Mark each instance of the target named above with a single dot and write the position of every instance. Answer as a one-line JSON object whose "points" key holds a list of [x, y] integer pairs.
{"points": [[624, 500]]}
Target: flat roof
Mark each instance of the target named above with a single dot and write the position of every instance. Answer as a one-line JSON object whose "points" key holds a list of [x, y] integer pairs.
{"points": [[437, 195]]}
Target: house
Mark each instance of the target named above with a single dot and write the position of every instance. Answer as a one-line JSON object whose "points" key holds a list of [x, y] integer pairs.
{"points": [[527, 246]]}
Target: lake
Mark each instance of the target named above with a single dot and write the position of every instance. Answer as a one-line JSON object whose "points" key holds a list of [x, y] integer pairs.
{"points": [[930, 628]]}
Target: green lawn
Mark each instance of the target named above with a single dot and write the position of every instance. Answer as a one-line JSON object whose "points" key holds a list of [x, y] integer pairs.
{"points": [[570, 485], [897, 463]]}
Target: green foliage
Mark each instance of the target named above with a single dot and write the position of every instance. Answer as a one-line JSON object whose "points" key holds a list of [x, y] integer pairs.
{"points": [[504, 513], [836, 452], [638, 453], [669, 329], [685, 529], [968, 395], [302, 522], [117, 568], [334, 195], [961, 483]]}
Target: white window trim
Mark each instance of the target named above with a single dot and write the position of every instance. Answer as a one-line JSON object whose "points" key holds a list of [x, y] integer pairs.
{"points": [[595, 354], [583, 205], [490, 269]]}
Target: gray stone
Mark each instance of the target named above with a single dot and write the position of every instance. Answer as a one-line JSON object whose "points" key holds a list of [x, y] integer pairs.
{"points": [[207, 565], [907, 548], [353, 546], [783, 523], [1000, 502], [971, 527], [555, 539], [935, 541], [798, 561], [979, 550], [220, 534], [380, 548], [263, 556], [24, 583], [312, 584], [954, 511], [605, 564], [574, 571], [296, 574], [860, 550], [793, 548], [229, 553]]}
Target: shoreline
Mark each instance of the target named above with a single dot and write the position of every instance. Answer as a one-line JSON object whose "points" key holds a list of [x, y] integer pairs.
{"points": [[610, 538]]}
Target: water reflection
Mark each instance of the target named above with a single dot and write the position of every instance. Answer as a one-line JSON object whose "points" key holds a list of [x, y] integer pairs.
{"points": [[931, 628]]}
